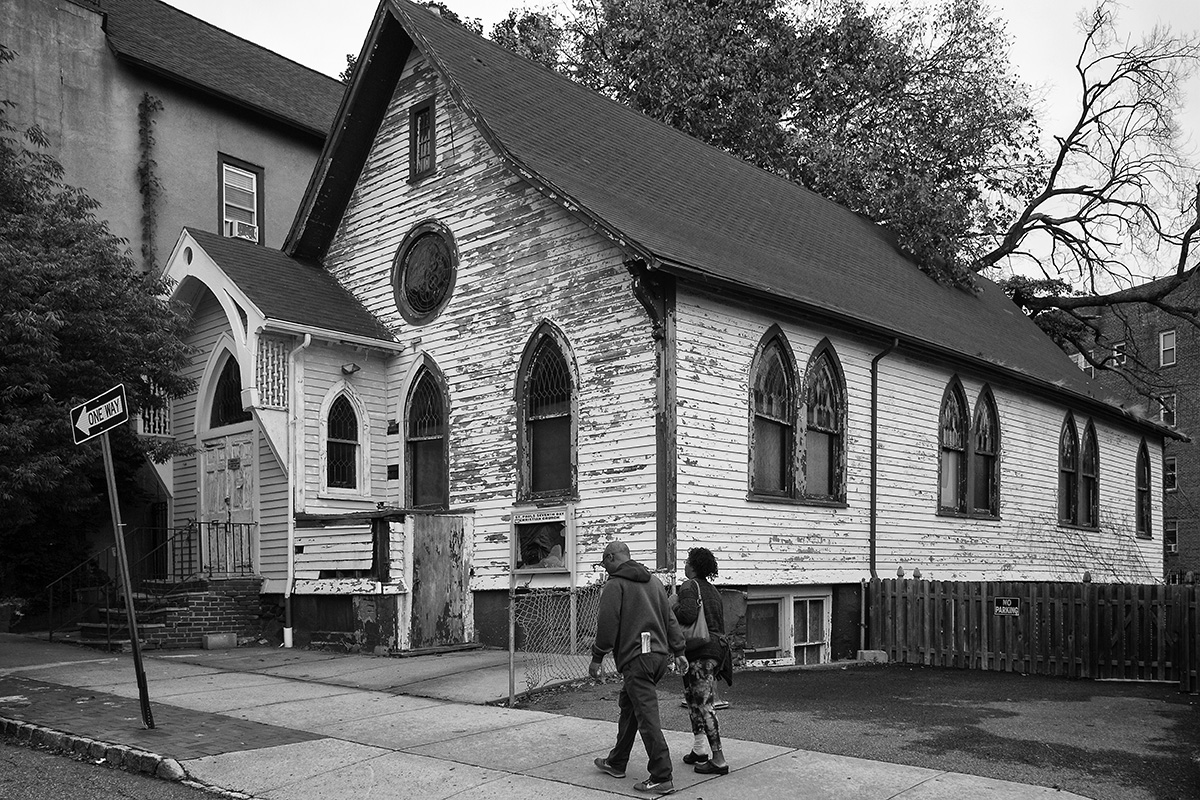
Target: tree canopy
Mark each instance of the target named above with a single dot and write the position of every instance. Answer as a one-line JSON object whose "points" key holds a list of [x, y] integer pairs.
{"points": [[76, 317], [913, 116]]}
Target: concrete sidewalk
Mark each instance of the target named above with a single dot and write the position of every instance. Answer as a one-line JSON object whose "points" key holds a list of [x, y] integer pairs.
{"points": [[297, 724]]}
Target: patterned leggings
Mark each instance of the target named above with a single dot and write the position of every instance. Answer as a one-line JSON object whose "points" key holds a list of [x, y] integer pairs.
{"points": [[698, 692]]}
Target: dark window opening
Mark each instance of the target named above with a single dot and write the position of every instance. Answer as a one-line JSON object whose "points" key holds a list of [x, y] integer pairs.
{"points": [[548, 420], [227, 398], [774, 423], [342, 446], [429, 481]]}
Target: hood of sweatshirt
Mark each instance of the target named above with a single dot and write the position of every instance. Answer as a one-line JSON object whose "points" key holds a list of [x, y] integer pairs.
{"points": [[632, 571]]}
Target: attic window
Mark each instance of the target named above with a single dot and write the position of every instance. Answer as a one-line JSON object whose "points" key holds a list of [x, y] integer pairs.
{"points": [[423, 272], [422, 140]]}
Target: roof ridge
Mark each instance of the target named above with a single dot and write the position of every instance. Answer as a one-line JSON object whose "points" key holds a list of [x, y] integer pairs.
{"points": [[229, 33]]}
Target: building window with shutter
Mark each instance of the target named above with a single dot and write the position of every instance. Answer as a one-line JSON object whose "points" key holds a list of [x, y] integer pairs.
{"points": [[546, 399], [422, 140], [241, 199], [426, 456]]}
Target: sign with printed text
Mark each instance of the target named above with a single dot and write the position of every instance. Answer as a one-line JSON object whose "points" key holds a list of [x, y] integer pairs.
{"points": [[1007, 607], [100, 414]]}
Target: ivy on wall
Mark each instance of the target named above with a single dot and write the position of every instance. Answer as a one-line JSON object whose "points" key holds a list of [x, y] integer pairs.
{"points": [[149, 186]]}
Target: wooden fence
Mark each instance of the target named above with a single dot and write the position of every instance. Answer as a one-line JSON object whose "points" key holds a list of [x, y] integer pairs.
{"points": [[1078, 630]]}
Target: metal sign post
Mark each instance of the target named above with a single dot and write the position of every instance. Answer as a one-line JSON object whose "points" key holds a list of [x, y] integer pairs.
{"points": [[94, 418]]}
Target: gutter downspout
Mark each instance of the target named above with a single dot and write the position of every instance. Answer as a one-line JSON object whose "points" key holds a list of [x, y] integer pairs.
{"points": [[875, 449], [297, 402]]}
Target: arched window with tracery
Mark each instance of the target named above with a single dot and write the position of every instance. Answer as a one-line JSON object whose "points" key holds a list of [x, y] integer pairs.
{"points": [[953, 435], [985, 450], [824, 435], [773, 430], [546, 398], [1089, 479], [426, 443], [1144, 527], [1068, 473], [341, 445]]}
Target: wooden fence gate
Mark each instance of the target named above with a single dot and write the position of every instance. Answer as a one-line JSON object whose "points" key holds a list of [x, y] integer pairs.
{"points": [[1079, 630]]}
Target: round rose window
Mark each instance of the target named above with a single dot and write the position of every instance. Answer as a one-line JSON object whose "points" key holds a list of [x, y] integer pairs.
{"points": [[423, 273]]}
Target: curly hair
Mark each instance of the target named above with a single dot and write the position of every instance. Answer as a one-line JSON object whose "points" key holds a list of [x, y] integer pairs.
{"points": [[704, 564]]}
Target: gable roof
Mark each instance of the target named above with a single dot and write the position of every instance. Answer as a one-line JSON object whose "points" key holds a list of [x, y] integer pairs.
{"points": [[158, 37], [286, 290], [679, 204]]}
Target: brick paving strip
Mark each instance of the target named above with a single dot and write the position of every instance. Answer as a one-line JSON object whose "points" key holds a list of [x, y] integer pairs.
{"points": [[95, 719]]}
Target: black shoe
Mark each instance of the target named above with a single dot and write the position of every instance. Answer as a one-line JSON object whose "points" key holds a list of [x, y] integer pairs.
{"points": [[708, 768], [603, 765], [695, 758]]}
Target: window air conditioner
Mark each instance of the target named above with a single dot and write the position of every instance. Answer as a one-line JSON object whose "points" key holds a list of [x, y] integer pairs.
{"points": [[1172, 547], [241, 230]]}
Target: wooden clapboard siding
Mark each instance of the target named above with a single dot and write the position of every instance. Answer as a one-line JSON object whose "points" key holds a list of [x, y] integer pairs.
{"points": [[323, 376], [341, 547], [208, 323], [273, 514], [522, 260], [780, 543]]}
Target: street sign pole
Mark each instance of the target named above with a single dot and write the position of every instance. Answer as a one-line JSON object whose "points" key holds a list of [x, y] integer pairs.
{"points": [[126, 583]]}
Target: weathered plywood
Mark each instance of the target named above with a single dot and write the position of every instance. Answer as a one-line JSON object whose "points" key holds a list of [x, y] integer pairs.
{"points": [[440, 592], [334, 547]]}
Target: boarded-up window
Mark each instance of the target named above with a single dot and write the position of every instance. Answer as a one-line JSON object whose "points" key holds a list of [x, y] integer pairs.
{"points": [[953, 445], [774, 422], [1068, 473], [227, 397], [427, 469], [342, 445]]}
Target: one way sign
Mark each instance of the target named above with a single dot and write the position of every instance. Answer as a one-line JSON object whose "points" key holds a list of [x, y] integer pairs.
{"points": [[100, 414]]}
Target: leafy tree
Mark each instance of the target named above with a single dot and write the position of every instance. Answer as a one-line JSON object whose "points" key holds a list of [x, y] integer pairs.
{"points": [[913, 117], [76, 317], [535, 35]]}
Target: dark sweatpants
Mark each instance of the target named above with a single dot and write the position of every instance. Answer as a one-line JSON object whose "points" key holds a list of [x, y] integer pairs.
{"points": [[638, 702]]}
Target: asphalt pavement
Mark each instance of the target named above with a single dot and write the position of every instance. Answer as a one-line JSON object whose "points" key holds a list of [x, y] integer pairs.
{"points": [[298, 724]]}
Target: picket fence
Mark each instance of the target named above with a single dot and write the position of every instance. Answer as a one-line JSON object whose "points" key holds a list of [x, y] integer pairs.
{"points": [[1080, 630]]}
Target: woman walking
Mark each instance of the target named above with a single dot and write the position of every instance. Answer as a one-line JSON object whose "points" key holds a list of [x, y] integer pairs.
{"points": [[704, 658]]}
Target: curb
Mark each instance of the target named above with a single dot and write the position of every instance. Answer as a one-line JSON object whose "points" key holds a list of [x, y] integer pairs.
{"points": [[114, 756]]}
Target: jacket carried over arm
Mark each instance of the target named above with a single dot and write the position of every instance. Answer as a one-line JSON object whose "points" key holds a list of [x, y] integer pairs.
{"points": [[634, 601]]}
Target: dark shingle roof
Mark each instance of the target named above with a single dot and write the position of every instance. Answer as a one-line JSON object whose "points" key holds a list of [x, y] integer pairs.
{"points": [[162, 38], [288, 290], [696, 209]]}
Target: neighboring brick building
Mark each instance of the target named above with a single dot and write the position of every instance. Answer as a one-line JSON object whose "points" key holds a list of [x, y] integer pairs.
{"points": [[1153, 367]]}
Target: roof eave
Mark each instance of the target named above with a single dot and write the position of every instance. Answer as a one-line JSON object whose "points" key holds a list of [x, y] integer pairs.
{"points": [[271, 325]]}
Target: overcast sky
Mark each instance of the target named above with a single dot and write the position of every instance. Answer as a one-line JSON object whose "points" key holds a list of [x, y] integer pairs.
{"points": [[319, 34]]}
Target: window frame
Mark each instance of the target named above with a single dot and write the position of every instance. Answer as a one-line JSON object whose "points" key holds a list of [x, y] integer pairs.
{"points": [[985, 401], [1171, 537], [1068, 474], [1143, 497], [547, 334], [1089, 483], [427, 374], [772, 342], [362, 465], [1171, 471], [784, 600], [258, 173], [824, 360], [400, 262], [1119, 356], [1163, 349], [954, 390], [428, 105]]}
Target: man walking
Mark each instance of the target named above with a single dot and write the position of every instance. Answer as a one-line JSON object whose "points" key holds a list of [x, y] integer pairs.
{"points": [[635, 623]]}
